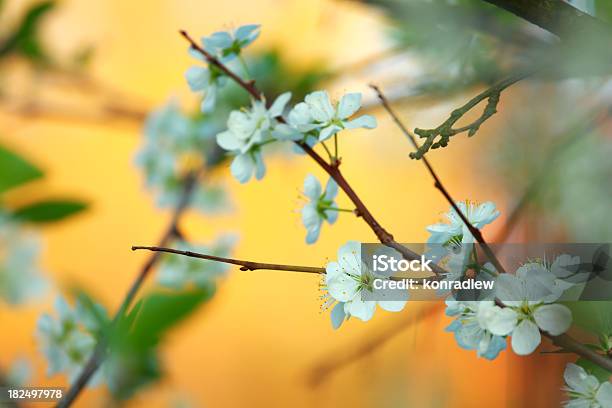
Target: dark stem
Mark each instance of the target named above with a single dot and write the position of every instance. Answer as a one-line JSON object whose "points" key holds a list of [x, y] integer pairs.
{"points": [[244, 265], [99, 353], [554, 16]]}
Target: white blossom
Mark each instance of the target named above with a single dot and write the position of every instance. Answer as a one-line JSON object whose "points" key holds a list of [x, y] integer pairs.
{"points": [[470, 327], [318, 114], [249, 130], [455, 230], [68, 340], [345, 280], [585, 390], [320, 206], [174, 144], [227, 45], [528, 297]]}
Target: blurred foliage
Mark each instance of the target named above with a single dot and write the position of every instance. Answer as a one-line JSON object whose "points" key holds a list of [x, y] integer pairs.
{"points": [[24, 38], [133, 360], [16, 171]]}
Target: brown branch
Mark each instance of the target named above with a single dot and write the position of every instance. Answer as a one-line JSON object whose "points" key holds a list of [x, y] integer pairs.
{"points": [[554, 16], [244, 265], [99, 353], [438, 183], [332, 169]]}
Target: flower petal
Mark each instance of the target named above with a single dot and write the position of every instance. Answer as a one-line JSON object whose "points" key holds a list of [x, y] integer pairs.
{"points": [[365, 121], [604, 395], [312, 187], [242, 167], [337, 315], [360, 309], [198, 78], [348, 105], [392, 305], [525, 338], [278, 106], [555, 319], [228, 141], [320, 106], [328, 132]]}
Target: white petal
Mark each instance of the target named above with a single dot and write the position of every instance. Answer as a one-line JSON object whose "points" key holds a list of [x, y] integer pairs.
{"points": [[228, 141], [328, 132], [502, 322], [279, 105], [242, 167], [604, 395], [312, 234], [310, 216], [360, 309], [217, 41], [285, 132], [555, 319], [392, 305], [348, 105], [525, 338], [197, 78], [247, 32], [320, 106], [337, 315], [332, 215], [312, 187], [209, 100], [332, 270], [365, 121], [260, 167], [331, 189], [579, 380], [509, 288], [343, 288]]}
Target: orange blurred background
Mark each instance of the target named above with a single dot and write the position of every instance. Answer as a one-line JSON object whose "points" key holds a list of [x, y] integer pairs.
{"points": [[262, 338]]}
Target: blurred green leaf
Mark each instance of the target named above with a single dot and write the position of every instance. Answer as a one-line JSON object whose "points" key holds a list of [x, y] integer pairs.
{"points": [[133, 360], [601, 373], [594, 316], [49, 211], [14, 170], [25, 39]]}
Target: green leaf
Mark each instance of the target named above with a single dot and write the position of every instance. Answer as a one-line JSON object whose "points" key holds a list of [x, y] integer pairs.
{"points": [[15, 170], [133, 361], [25, 38], [49, 211], [593, 316], [601, 373]]}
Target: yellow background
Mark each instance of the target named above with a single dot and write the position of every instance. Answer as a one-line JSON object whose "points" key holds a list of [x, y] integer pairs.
{"points": [[258, 342]]}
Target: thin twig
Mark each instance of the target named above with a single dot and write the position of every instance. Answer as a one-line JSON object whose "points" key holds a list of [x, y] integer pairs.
{"points": [[438, 183], [244, 265]]}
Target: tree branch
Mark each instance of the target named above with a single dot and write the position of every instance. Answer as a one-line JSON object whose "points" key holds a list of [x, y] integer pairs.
{"points": [[554, 16], [440, 136]]}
